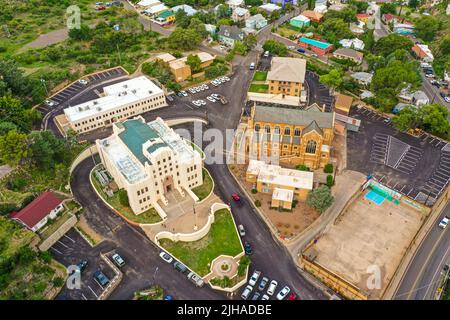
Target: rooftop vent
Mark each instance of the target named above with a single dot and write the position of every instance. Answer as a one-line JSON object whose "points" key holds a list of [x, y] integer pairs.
{"points": [[134, 90], [95, 102]]}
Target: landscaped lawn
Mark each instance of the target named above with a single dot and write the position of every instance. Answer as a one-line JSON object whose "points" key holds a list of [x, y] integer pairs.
{"points": [[205, 189], [222, 239], [149, 216], [260, 76], [60, 220], [259, 88]]}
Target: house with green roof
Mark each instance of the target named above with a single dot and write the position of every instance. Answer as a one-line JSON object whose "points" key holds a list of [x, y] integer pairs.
{"points": [[166, 17]]}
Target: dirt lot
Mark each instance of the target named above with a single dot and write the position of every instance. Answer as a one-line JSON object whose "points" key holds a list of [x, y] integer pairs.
{"points": [[288, 224], [368, 235]]}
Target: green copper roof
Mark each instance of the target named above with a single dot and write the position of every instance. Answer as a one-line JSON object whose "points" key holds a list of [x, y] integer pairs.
{"points": [[135, 135], [165, 14]]}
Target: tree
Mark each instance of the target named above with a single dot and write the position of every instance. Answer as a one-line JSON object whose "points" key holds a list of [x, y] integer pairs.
{"points": [[348, 14], [334, 30], [223, 11], [184, 39], [14, 147], [361, 6], [413, 3], [386, 45], [224, 22], [320, 199], [240, 48], [12, 110], [199, 27], [276, 48], [426, 28], [6, 126], [274, 15], [388, 8], [250, 41], [194, 62], [434, 119], [444, 46], [302, 167], [330, 181], [311, 4], [47, 149], [333, 79], [83, 33], [406, 119], [158, 69], [395, 75]]}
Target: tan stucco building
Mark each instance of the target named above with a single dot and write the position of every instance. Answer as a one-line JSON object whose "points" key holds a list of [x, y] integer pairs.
{"points": [[180, 69], [286, 76], [285, 185], [149, 160], [290, 135]]}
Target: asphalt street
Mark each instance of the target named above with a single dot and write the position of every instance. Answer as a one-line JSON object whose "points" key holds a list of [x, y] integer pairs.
{"points": [[422, 276]]}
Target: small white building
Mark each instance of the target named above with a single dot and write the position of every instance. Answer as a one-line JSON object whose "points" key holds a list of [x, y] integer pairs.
{"points": [[233, 4], [148, 3], [363, 78], [270, 7], [256, 22], [321, 8], [355, 43], [186, 8], [153, 10], [149, 160]]}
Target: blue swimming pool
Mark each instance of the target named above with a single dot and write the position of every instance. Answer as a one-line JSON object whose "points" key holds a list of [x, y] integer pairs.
{"points": [[315, 43], [375, 197]]}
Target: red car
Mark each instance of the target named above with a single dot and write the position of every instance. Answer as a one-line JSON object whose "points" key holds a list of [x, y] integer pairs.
{"points": [[292, 296], [100, 8], [235, 197]]}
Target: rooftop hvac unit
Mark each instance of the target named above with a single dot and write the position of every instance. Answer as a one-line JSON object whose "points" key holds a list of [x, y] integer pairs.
{"points": [[124, 93], [150, 91], [80, 109], [95, 102], [125, 86], [134, 90], [99, 109]]}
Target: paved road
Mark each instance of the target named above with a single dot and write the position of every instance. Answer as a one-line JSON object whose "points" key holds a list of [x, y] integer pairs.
{"points": [[420, 279]]}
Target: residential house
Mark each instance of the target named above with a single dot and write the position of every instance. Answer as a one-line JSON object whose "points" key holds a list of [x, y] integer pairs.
{"points": [[337, 6], [186, 8], [145, 4], [233, 4], [228, 35], [352, 43], [256, 22], [37, 213], [154, 10], [343, 104], [269, 7], [165, 18], [283, 3], [290, 135], [346, 53], [319, 47], [300, 21], [180, 69], [416, 98], [149, 161], [405, 28], [363, 78], [423, 52], [365, 94], [313, 16], [321, 8], [212, 29], [447, 11], [285, 185], [240, 14], [364, 17], [357, 28], [389, 18]]}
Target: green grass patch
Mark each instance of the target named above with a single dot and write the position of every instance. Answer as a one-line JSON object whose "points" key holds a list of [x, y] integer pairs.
{"points": [[260, 76], [149, 216], [205, 189], [259, 88], [55, 224], [222, 239]]}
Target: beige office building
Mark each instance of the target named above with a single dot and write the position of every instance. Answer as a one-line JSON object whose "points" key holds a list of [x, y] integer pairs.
{"points": [[149, 160], [118, 102]]}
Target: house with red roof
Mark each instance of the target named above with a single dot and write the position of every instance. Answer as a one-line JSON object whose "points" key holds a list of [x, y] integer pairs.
{"points": [[364, 17], [36, 214]]}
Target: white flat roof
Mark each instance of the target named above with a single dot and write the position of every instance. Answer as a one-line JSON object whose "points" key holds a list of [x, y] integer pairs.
{"points": [[116, 95], [146, 3], [274, 174], [283, 195], [156, 9]]}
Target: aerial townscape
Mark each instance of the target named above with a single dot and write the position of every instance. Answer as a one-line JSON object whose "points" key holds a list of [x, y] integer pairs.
{"points": [[224, 150]]}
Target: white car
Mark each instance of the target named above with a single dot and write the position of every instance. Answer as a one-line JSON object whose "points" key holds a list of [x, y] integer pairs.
{"points": [[196, 103], [272, 287], [246, 292], [447, 99], [118, 260], [211, 99], [83, 82], [191, 90], [219, 81], [166, 257], [254, 278], [215, 96], [215, 83], [204, 86], [429, 75], [444, 222], [50, 103], [265, 297], [202, 102], [184, 93], [283, 293]]}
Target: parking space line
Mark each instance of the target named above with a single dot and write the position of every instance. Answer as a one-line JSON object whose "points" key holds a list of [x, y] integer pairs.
{"points": [[69, 238], [83, 296], [56, 250], [63, 244], [93, 290]]}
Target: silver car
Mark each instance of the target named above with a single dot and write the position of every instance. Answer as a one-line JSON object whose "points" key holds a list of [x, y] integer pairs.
{"points": [[246, 293]]}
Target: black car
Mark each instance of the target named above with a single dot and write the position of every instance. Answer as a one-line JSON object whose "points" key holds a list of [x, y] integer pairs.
{"points": [[101, 278], [248, 248]]}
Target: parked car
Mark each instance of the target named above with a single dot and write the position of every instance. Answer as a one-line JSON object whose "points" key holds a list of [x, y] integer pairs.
{"points": [[168, 297], [202, 102], [166, 257], [245, 294], [447, 99], [236, 197], [256, 296], [184, 93], [226, 78], [266, 54], [442, 94], [254, 278], [83, 82], [118, 260], [81, 266], [241, 230], [265, 297], [170, 98], [314, 55], [263, 283], [291, 47], [100, 8], [211, 99], [272, 287], [248, 248], [444, 222], [180, 267], [215, 96], [50, 103], [387, 120], [301, 50], [283, 293], [195, 279], [100, 278], [252, 66]]}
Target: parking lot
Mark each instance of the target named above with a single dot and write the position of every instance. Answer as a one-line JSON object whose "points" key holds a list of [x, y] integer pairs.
{"points": [[418, 167], [65, 95], [257, 294], [318, 93]]}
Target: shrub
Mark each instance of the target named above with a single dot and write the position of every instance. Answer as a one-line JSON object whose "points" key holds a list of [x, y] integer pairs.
{"points": [[302, 167], [244, 262], [6, 208], [17, 184], [58, 282], [254, 191], [330, 181], [123, 198], [257, 203], [328, 168]]}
